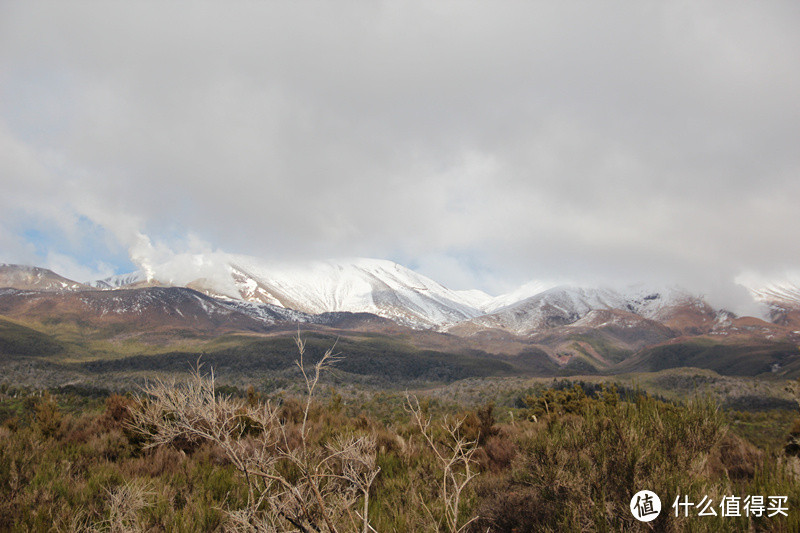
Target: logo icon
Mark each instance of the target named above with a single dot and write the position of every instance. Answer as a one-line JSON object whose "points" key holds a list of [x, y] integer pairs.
{"points": [[645, 506]]}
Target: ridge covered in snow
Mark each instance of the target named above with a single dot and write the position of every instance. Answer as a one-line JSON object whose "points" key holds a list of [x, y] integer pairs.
{"points": [[780, 293], [375, 286], [392, 291], [527, 290], [119, 281], [564, 305]]}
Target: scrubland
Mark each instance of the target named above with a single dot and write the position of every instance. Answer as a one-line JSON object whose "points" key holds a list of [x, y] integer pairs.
{"points": [[193, 456]]}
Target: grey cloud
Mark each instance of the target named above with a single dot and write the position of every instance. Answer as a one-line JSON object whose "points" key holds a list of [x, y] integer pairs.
{"points": [[614, 141]]}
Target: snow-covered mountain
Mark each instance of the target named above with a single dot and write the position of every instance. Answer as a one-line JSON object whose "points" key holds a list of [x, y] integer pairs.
{"points": [[395, 292], [565, 305], [375, 286], [783, 293]]}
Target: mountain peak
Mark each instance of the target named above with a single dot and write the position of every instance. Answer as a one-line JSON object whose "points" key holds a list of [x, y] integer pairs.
{"points": [[24, 277], [376, 286], [390, 290]]}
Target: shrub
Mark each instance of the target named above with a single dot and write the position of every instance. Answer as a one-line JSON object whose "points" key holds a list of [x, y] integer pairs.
{"points": [[300, 485], [577, 472]]}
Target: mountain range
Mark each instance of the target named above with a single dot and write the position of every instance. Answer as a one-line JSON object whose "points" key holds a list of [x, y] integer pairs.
{"points": [[538, 325], [392, 291]]}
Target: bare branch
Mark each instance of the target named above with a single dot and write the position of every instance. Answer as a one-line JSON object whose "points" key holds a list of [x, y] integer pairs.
{"points": [[455, 458], [332, 479]]}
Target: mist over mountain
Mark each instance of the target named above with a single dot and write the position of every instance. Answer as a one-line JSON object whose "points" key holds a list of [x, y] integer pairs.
{"points": [[391, 290], [35, 278], [537, 328], [387, 289], [483, 146]]}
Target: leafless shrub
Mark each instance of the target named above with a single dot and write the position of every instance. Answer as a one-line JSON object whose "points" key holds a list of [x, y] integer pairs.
{"points": [[125, 504], [293, 484], [455, 457]]}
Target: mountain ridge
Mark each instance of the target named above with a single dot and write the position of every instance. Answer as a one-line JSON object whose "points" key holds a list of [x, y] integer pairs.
{"points": [[392, 291], [561, 329]]}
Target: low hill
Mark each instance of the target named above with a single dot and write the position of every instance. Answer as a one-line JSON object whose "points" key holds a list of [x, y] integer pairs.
{"points": [[734, 358]]}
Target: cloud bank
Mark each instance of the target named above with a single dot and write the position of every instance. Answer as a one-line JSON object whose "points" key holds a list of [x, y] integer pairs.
{"points": [[485, 144]]}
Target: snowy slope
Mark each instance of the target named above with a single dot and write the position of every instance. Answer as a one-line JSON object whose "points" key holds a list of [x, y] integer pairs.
{"points": [[359, 285], [780, 298], [564, 305], [119, 281], [657, 303], [476, 298], [145, 308], [373, 286], [524, 292], [784, 293]]}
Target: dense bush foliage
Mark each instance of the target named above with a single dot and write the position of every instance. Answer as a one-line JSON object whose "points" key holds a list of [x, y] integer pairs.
{"points": [[581, 460], [568, 461]]}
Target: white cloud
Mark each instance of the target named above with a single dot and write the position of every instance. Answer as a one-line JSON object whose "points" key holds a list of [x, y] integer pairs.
{"points": [[68, 267], [616, 141]]}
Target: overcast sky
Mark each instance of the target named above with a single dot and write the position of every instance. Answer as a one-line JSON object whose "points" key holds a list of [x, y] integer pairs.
{"points": [[483, 144]]}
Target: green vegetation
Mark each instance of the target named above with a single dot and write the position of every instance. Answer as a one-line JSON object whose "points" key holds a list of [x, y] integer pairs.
{"points": [[389, 363], [611, 352], [577, 467], [568, 458], [30, 357], [733, 359], [19, 340]]}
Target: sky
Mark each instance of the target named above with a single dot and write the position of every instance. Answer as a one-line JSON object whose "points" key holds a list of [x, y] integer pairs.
{"points": [[484, 144]]}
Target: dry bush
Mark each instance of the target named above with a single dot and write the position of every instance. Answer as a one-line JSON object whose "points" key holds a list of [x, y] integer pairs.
{"points": [[154, 463], [389, 442], [125, 504], [500, 451], [735, 458], [117, 412], [48, 416], [293, 482], [455, 455], [77, 430]]}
